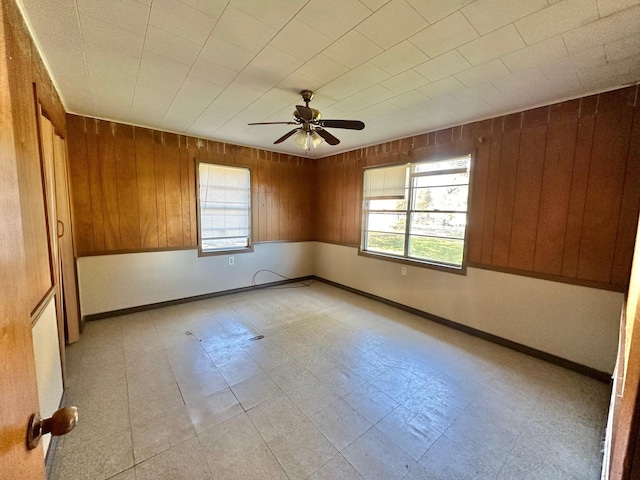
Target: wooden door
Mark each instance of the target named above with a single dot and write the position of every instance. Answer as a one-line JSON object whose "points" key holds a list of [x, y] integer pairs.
{"points": [[18, 389], [53, 150]]}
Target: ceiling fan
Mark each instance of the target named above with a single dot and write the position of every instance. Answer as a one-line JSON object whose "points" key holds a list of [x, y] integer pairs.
{"points": [[311, 130]]}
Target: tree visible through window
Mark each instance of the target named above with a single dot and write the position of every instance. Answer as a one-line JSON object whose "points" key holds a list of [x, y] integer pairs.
{"points": [[417, 211], [224, 207]]}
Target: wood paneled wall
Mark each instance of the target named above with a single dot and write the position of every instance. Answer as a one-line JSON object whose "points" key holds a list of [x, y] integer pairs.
{"points": [[28, 79], [555, 190], [135, 189]]}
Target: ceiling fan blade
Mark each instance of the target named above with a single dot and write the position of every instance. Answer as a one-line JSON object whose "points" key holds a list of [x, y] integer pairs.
{"points": [[285, 136], [348, 124], [273, 123], [305, 113], [330, 139]]}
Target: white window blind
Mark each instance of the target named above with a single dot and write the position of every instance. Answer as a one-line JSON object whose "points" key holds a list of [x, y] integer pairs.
{"points": [[225, 204], [386, 182]]}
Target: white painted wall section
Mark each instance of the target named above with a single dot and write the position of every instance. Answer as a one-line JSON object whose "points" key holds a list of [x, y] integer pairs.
{"points": [[573, 322], [48, 370], [114, 282]]}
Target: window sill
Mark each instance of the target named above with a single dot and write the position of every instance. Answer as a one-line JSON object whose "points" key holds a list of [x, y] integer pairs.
{"points": [[462, 270], [226, 251]]}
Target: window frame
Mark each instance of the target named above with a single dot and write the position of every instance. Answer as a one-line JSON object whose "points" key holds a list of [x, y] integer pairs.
{"points": [[405, 259], [225, 251]]}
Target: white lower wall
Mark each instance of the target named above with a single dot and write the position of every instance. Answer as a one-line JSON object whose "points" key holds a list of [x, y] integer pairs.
{"points": [[46, 351], [573, 322], [113, 282]]}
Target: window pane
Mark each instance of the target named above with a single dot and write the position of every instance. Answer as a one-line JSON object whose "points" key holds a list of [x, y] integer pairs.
{"points": [[441, 198], [385, 182], [386, 222], [389, 204], [225, 198], [224, 243], [391, 243], [451, 163], [441, 250], [438, 224], [440, 180]]}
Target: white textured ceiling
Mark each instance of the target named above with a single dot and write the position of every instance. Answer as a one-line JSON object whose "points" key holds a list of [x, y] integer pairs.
{"points": [[208, 67]]}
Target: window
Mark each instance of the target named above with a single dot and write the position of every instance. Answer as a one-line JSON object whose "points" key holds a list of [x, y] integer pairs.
{"points": [[224, 208], [417, 211]]}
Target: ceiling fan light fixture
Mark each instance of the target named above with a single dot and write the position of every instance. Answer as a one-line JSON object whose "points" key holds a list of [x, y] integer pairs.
{"points": [[300, 139], [315, 139]]}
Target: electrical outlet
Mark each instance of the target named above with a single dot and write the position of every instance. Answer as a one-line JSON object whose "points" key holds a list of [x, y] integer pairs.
{"points": [[232, 260], [403, 270]]}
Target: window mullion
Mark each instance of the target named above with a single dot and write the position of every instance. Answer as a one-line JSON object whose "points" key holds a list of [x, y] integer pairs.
{"points": [[407, 223]]}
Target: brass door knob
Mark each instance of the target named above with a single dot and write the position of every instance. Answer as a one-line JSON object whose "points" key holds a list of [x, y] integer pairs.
{"points": [[60, 423]]}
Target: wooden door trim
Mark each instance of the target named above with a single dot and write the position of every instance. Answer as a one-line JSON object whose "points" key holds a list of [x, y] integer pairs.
{"points": [[42, 305]]}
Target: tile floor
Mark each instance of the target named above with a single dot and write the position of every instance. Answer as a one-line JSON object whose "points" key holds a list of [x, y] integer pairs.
{"points": [[340, 387]]}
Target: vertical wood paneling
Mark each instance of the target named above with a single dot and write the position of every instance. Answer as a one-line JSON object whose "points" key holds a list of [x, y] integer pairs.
{"points": [[95, 184], [579, 181], [506, 190], [556, 188], [184, 190], [478, 200], [146, 180], [492, 192], [555, 191], [80, 179], [161, 206], [144, 183], [606, 181], [192, 155], [172, 189], [109, 185], [127, 187], [629, 209], [533, 137]]}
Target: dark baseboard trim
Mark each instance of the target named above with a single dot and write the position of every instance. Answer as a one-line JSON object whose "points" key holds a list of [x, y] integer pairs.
{"points": [[533, 352], [179, 301], [53, 444]]}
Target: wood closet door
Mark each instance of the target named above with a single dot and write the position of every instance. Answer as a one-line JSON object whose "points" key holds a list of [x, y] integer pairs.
{"points": [[55, 163]]}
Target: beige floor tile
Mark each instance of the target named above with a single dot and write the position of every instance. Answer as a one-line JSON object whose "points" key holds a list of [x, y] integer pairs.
{"points": [[371, 402], [336, 469], [340, 423], [375, 457], [99, 459], [126, 475], [256, 464], [312, 397], [302, 451], [276, 416], [413, 432], [151, 437], [526, 463], [292, 375], [227, 443], [400, 383], [468, 465], [255, 390], [492, 434], [500, 410], [199, 385], [184, 461], [240, 370], [213, 410], [271, 358], [342, 380]]}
